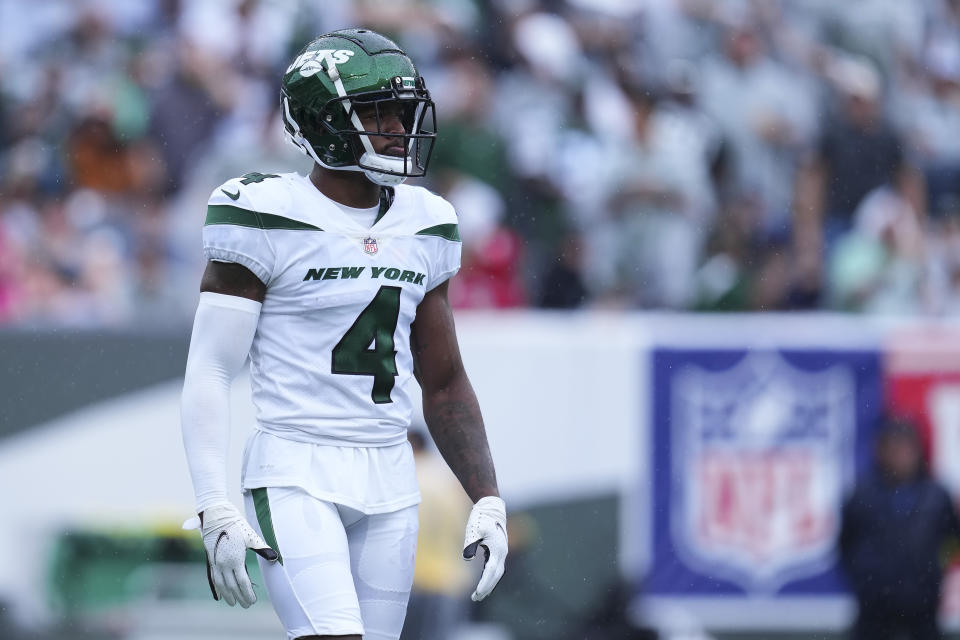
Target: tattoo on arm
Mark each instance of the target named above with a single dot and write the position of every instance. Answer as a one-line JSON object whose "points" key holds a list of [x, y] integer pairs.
{"points": [[450, 406], [456, 426]]}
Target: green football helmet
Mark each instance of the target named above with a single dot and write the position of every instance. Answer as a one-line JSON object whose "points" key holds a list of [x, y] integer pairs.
{"points": [[341, 72]]}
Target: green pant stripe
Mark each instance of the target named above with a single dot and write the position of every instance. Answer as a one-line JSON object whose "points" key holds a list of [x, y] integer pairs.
{"points": [[262, 505]]}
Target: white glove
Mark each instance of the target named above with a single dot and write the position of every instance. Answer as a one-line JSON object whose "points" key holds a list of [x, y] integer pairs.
{"points": [[226, 538], [487, 527]]}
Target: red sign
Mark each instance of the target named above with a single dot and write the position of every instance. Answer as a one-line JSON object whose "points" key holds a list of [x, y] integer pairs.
{"points": [[923, 384]]}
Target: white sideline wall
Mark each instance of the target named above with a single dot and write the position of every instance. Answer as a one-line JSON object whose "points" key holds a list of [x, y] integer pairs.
{"points": [[564, 397]]}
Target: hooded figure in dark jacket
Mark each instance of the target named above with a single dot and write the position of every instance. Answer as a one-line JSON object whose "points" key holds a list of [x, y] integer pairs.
{"points": [[896, 527]]}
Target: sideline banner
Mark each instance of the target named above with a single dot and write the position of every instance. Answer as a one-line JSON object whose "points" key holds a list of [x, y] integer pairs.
{"points": [[752, 454]]}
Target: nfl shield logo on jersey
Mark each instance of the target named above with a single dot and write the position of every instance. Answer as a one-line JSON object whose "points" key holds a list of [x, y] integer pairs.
{"points": [[370, 245], [764, 451]]}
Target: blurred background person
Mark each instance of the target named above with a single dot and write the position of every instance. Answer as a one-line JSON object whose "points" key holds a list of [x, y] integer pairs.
{"points": [[659, 204], [638, 131], [859, 151], [765, 108], [896, 526], [492, 263], [878, 265], [563, 285]]}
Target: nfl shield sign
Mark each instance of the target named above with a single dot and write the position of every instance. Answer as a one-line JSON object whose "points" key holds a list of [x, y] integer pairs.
{"points": [[370, 245], [754, 453], [760, 468]]}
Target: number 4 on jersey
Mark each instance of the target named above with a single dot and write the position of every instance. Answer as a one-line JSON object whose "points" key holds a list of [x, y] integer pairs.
{"points": [[367, 348]]}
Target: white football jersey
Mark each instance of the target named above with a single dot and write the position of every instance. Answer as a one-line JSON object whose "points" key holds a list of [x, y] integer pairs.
{"points": [[331, 359]]}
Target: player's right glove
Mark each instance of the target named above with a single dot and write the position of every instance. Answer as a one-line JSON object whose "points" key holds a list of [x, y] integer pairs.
{"points": [[487, 528], [226, 538]]}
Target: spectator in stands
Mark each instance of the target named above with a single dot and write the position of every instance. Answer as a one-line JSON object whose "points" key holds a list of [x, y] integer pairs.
{"points": [[878, 30], [563, 286], [188, 107], [894, 528], [765, 110], [470, 143], [493, 256], [98, 160], [724, 280], [683, 83], [145, 105], [928, 112], [879, 265], [534, 107], [858, 152], [658, 206]]}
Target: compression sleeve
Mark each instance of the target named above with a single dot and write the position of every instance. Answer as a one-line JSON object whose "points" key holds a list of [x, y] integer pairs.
{"points": [[223, 331]]}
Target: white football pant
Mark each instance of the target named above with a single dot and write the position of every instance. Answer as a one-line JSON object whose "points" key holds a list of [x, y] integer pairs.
{"points": [[340, 572]]}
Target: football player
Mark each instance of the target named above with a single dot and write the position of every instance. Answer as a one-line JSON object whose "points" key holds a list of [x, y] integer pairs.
{"points": [[335, 285]]}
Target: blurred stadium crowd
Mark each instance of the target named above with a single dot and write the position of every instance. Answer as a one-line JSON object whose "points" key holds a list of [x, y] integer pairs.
{"points": [[654, 154]]}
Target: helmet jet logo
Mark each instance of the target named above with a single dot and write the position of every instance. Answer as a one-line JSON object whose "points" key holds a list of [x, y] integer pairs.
{"points": [[309, 61]]}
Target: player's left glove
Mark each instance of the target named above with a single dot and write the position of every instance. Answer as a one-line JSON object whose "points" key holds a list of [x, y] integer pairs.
{"points": [[487, 528], [226, 538]]}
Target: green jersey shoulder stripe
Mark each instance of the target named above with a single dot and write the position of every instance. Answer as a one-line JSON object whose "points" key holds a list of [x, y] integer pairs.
{"points": [[228, 214], [447, 231]]}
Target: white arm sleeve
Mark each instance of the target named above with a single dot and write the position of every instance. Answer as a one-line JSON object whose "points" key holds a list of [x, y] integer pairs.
{"points": [[223, 331]]}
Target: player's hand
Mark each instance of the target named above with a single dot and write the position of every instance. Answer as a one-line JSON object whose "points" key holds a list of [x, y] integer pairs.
{"points": [[487, 528], [226, 538]]}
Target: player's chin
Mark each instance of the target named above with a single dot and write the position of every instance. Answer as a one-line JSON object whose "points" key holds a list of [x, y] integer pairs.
{"points": [[393, 152]]}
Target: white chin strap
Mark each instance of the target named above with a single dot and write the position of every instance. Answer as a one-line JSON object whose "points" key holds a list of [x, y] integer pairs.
{"points": [[373, 161]]}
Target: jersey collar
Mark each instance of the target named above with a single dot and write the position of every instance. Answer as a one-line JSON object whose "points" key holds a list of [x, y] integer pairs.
{"points": [[386, 199]]}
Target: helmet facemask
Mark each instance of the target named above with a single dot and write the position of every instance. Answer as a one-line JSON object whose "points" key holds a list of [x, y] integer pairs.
{"points": [[409, 102], [340, 117]]}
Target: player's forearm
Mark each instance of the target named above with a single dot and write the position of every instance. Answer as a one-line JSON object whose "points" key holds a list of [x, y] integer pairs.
{"points": [[453, 417], [222, 333], [204, 412]]}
